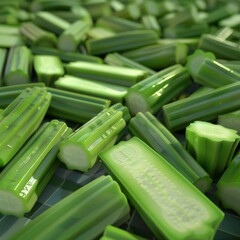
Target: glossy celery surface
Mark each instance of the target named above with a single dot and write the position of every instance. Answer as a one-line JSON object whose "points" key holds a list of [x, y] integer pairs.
{"points": [[80, 150], [146, 127], [207, 106], [104, 73], [84, 213], [212, 145], [155, 91], [151, 183], [20, 119], [19, 180], [228, 186]]}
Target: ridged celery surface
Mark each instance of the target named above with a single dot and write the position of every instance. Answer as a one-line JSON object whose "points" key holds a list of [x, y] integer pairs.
{"points": [[75, 107], [206, 106], [151, 183], [104, 73], [146, 127], [230, 120], [70, 39], [151, 22], [48, 68], [155, 91], [20, 119], [17, 68], [115, 93], [212, 145], [228, 186], [122, 42], [80, 150], [8, 29], [83, 214], [159, 56], [119, 107], [9, 40], [3, 55], [19, 181], [232, 64]]}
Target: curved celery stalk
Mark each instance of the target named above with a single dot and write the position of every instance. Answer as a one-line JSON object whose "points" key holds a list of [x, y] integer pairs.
{"points": [[105, 73], [230, 120], [153, 92], [228, 186], [212, 145], [151, 183], [159, 56], [206, 106], [16, 71], [151, 131], [20, 119], [19, 180], [83, 214], [80, 150]]}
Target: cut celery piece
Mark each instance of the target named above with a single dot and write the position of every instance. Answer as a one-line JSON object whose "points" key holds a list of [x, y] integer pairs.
{"points": [[9, 30], [119, 107], [212, 145], [80, 150], [231, 21], [8, 41], [232, 64], [230, 120], [84, 213], [99, 33], [3, 55], [150, 22], [131, 11], [151, 183]]}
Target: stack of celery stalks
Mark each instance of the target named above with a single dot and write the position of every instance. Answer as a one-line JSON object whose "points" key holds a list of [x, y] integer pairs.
{"points": [[119, 119]]}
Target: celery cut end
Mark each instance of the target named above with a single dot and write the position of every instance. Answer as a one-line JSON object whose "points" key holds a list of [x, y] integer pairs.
{"points": [[204, 184], [67, 43], [181, 53], [136, 103]]}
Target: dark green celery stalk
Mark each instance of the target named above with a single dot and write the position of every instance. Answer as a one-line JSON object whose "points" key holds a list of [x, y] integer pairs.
{"points": [[65, 56], [9, 30], [74, 106], [3, 55], [116, 59], [146, 127], [48, 68], [201, 90], [212, 145], [206, 106], [19, 180], [99, 32], [104, 73], [82, 13], [70, 38], [232, 64], [150, 22], [121, 42], [8, 41], [83, 214], [115, 93], [18, 68], [80, 150], [228, 187], [151, 7], [20, 119], [51, 22], [230, 120], [159, 56], [155, 91], [151, 183], [36, 36], [131, 11]]}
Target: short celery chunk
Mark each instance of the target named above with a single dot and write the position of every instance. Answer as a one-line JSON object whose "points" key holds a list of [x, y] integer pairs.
{"points": [[169, 204], [83, 214]]}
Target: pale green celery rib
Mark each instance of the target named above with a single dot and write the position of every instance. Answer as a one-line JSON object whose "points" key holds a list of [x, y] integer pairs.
{"points": [[131, 11], [3, 55], [65, 56], [153, 8], [224, 33], [146, 127], [36, 36], [117, 5], [50, 22], [204, 107], [230, 120], [99, 33], [83, 14], [70, 38], [84, 213], [20, 119], [159, 56], [155, 91], [18, 66], [116, 59], [48, 68], [201, 90], [212, 145], [119, 107], [105, 73], [121, 42], [151, 183], [8, 41], [115, 93], [9, 30], [20, 179], [80, 150], [228, 186], [74, 106], [150, 22], [231, 21]]}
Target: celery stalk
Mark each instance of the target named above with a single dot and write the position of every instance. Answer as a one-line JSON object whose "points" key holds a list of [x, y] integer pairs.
{"points": [[151, 183], [3, 55], [8, 40], [99, 32], [230, 120], [9, 30], [83, 214], [150, 22]]}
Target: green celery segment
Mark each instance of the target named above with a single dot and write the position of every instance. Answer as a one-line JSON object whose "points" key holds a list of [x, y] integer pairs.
{"points": [[100, 32], [150, 22], [151, 183], [84, 213], [212, 145], [230, 120], [9, 30], [120, 107], [80, 150], [9, 40], [232, 64], [3, 56], [20, 179]]}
